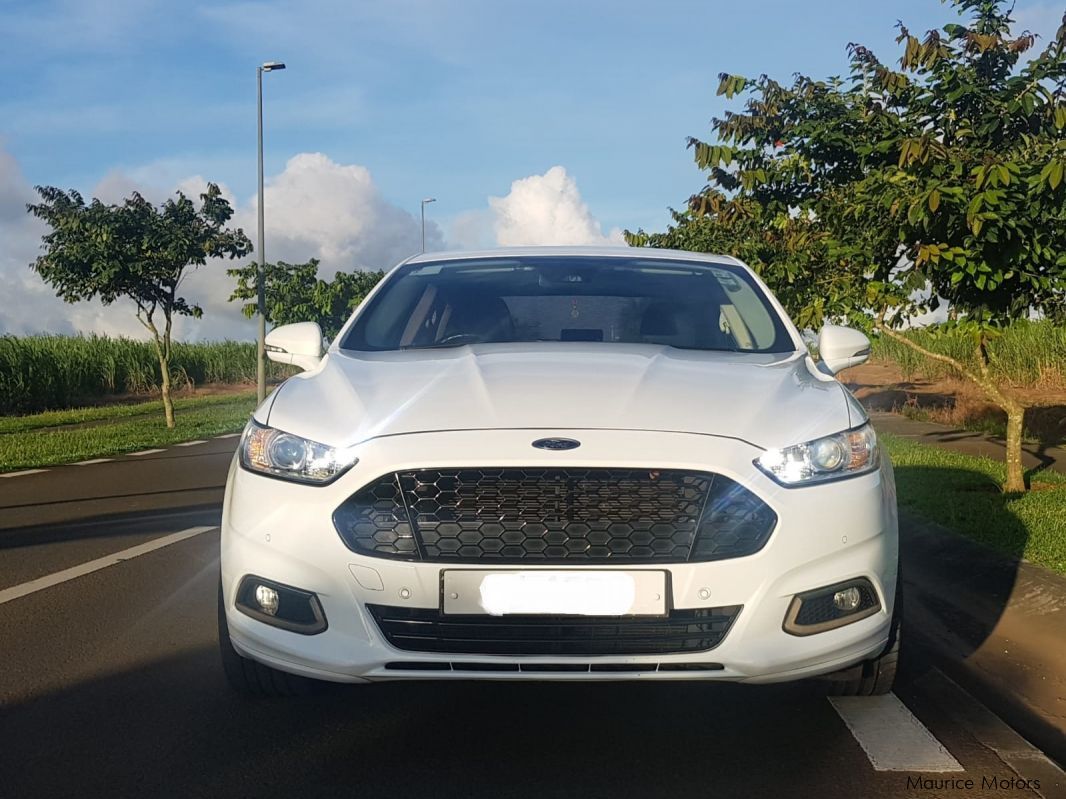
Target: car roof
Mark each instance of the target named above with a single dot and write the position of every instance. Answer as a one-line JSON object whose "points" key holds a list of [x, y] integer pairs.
{"points": [[586, 252]]}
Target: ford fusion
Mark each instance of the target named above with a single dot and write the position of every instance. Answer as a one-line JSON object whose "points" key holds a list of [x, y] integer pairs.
{"points": [[567, 464]]}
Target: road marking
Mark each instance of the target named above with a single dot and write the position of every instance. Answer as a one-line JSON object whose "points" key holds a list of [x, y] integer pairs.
{"points": [[41, 583], [190, 443], [94, 460], [23, 472], [229, 435], [893, 739], [145, 452]]}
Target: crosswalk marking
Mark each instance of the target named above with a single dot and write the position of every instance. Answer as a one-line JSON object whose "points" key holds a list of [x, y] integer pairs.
{"points": [[891, 736]]}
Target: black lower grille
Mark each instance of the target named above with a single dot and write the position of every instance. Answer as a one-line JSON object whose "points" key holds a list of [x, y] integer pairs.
{"points": [[555, 516], [428, 630]]}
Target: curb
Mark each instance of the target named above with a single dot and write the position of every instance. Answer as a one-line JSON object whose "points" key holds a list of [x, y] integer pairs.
{"points": [[994, 625]]}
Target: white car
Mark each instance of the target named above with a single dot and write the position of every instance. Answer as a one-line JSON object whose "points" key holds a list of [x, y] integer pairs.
{"points": [[566, 464]]}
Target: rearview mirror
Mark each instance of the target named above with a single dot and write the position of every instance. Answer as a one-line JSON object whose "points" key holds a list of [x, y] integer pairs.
{"points": [[840, 347], [299, 344]]}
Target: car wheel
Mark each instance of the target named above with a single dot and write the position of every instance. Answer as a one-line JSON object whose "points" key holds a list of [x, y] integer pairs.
{"points": [[249, 677], [875, 677]]}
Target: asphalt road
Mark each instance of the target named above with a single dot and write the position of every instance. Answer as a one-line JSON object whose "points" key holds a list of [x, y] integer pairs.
{"points": [[110, 686]]}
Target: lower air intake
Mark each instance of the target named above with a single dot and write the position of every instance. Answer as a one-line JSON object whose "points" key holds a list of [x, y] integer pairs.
{"points": [[428, 630]]}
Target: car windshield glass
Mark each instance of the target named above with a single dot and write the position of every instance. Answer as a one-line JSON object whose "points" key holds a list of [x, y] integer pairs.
{"points": [[693, 305]]}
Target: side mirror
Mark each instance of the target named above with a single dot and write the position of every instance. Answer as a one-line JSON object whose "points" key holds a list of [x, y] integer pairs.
{"points": [[841, 347], [299, 344]]}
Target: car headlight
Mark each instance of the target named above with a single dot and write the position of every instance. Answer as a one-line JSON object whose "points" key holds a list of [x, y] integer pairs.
{"points": [[846, 454], [279, 454]]}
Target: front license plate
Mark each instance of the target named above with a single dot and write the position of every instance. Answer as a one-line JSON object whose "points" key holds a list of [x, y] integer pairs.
{"points": [[572, 593]]}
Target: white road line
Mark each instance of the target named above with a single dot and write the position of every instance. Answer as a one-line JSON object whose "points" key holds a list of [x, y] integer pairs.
{"points": [[145, 452], [94, 460], [18, 591], [229, 435], [23, 472], [191, 443], [893, 739]]}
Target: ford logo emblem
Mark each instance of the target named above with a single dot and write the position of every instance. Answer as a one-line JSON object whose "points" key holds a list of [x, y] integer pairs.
{"points": [[556, 443]]}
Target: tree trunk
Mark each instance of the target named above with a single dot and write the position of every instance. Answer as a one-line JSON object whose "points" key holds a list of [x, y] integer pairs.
{"points": [[1015, 473], [164, 374]]}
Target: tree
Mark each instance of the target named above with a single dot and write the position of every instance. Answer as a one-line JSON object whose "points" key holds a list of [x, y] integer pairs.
{"points": [[135, 251], [938, 181], [295, 293]]}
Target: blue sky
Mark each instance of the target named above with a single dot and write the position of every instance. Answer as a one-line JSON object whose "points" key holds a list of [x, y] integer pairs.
{"points": [[455, 99]]}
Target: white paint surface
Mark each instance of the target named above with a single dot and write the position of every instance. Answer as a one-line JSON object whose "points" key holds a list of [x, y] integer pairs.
{"points": [[190, 443], [146, 452], [18, 591], [893, 739], [24, 472], [94, 460], [229, 435]]}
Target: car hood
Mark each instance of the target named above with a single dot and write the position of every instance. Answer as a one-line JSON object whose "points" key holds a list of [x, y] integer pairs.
{"points": [[765, 399]]}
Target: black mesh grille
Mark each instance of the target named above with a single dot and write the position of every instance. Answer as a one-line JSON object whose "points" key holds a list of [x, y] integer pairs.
{"points": [[428, 630], [554, 516]]}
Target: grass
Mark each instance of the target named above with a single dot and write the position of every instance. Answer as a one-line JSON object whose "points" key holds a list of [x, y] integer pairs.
{"points": [[962, 492], [106, 413], [49, 439], [1024, 354], [40, 373]]}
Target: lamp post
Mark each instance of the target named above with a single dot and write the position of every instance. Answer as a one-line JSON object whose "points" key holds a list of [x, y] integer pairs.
{"points": [[260, 369], [425, 202]]}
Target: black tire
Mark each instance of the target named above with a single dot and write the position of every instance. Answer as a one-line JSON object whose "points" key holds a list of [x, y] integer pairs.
{"points": [[249, 677], [877, 676]]}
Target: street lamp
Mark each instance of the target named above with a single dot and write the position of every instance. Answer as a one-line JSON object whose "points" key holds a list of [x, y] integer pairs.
{"points": [[260, 369], [425, 202]]}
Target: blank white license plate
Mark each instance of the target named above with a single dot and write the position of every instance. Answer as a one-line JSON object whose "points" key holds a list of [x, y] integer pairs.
{"points": [[574, 593]]}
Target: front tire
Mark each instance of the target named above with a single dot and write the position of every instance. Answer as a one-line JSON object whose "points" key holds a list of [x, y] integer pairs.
{"points": [[249, 677]]}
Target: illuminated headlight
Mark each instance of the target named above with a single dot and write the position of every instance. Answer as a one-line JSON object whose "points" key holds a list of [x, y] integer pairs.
{"points": [[846, 454], [279, 454]]}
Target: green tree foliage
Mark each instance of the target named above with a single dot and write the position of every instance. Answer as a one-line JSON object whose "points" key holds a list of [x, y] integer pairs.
{"points": [[135, 251], [295, 293], [939, 180]]}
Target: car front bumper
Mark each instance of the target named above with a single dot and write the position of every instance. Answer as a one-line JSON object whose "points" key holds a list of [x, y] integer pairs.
{"points": [[825, 534]]}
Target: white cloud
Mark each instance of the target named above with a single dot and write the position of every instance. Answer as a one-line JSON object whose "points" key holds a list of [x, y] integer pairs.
{"points": [[547, 209], [315, 208]]}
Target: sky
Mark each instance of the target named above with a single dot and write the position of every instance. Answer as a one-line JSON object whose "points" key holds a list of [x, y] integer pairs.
{"points": [[530, 122]]}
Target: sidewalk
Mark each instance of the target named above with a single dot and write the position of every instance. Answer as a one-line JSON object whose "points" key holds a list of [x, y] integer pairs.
{"points": [[967, 442]]}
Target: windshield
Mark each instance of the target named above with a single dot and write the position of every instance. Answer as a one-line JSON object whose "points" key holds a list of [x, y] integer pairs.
{"points": [[581, 298]]}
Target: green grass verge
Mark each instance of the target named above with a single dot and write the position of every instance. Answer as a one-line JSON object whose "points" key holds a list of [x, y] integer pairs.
{"points": [[31, 446], [75, 416], [963, 492]]}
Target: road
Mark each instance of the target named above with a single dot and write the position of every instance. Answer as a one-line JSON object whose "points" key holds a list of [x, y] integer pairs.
{"points": [[110, 686]]}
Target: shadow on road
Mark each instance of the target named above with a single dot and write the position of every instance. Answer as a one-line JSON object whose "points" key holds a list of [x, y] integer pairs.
{"points": [[172, 728], [133, 523]]}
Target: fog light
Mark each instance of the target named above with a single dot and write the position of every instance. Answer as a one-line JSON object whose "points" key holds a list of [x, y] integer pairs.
{"points": [[847, 600], [261, 598], [831, 606], [267, 598]]}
